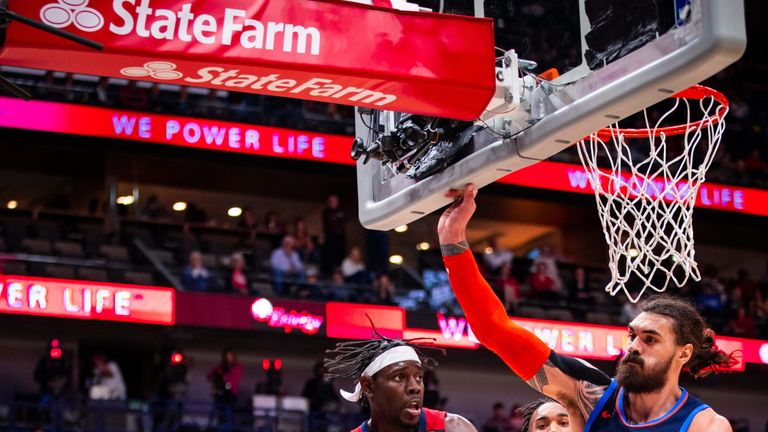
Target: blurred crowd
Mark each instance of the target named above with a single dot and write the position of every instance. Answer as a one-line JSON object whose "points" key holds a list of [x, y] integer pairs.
{"points": [[62, 403]]}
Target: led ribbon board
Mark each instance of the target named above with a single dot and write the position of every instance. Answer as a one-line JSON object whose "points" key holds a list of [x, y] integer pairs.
{"points": [[63, 298], [257, 140]]}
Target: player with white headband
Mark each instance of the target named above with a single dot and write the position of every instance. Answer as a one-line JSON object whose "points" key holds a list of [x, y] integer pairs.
{"points": [[389, 376]]}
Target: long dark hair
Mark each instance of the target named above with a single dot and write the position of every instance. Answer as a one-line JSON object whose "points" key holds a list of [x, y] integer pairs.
{"points": [[690, 328]]}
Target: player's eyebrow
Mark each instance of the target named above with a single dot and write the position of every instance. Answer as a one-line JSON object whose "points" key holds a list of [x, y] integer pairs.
{"points": [[651, 331]]}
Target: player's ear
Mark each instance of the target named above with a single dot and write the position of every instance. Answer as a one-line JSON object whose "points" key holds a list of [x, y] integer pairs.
{"points": [[685, 354], [366, 383]]}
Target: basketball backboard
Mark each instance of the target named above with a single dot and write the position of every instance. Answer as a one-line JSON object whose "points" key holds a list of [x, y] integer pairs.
{"points": [[613, 59]]}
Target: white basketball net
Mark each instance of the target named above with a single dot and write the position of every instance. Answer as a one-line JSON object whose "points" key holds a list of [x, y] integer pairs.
{"points": [[646, 202]]}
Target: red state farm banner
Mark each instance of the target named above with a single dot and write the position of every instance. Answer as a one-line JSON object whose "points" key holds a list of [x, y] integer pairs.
{"points": [[330, 51]]}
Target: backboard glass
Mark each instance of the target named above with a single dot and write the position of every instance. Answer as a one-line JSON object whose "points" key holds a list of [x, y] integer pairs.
{"points": [[613, 58]]}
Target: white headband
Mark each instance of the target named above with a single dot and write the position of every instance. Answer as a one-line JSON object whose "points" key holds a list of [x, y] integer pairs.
{"points": [[388, 357]]}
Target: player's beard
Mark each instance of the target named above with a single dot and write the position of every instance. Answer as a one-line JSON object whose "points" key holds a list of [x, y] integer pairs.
{"points": [[640, 380]]}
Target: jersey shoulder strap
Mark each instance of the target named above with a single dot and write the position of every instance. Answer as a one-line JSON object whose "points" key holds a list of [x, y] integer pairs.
{"points": [[435, 420]]}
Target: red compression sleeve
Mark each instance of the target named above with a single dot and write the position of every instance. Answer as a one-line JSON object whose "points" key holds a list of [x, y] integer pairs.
{"points": [[520, 349]]}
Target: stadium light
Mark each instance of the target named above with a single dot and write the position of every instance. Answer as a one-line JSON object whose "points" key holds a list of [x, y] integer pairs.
{"points": [[125, 200], [234, 212]]}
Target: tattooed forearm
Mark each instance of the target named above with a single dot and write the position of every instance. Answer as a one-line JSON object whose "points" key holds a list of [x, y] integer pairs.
{"points": [[451, 249], [540, 379], [587, 396]]}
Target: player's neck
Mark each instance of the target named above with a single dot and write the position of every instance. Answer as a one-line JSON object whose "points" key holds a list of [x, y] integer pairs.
{"points": [[645, 407]]}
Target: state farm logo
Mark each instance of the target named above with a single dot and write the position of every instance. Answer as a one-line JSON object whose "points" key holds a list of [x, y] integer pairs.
{"points": [[67, 12], [271, 83], [161, 70]]}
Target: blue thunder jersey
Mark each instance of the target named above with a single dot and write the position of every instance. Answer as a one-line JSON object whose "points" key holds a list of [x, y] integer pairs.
{"points": [[609, 414]]}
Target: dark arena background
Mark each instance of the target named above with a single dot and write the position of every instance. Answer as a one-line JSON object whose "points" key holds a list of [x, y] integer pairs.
{"points": [[149, 229]]}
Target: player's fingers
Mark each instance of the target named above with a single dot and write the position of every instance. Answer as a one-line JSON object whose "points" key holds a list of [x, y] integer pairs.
{"points": [[453, 193], [470, 192]]}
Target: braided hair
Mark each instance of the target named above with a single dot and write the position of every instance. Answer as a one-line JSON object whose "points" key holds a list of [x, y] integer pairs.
{"points": [[349, 359], [526, 411]]}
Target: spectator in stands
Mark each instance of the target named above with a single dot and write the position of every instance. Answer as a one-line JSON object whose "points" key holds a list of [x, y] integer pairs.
{"points": [[578, 289], [495, 257], [724, 168], [53, 372], [742, 325], [238, 281], [516, 419], [432, 398], [734, 300], [173, 383], [498, 422], [310, 255], [548, 258], [301, 232], [306, 245], [101, 94], [761, 316], [272, 228], [764, 282], [334, 231], [107, 381], [248, 219], [542, 284], [273, 379], [133, 97], [747, 285], [225, 385], [629, 311], [758, 169], [195, 277], [323, 398], [312, 288], [710, 302], [53, 375], [353, 268], [156, 99], [46, 88], [337, 289], [286, 265], [195, 214], [711, 277], [377, 251], [239, 108], [69, 90], [153, 208], [578, 294], [212, 106], [384, 290], [184, 103], [508, 287], [272, 224]]}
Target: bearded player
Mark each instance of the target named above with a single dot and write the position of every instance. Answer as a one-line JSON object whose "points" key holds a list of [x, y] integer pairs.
{"points": [[668, 338]]}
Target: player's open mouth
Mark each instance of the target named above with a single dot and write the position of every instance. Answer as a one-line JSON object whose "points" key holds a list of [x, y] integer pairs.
{"points": [[414, 408]]}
